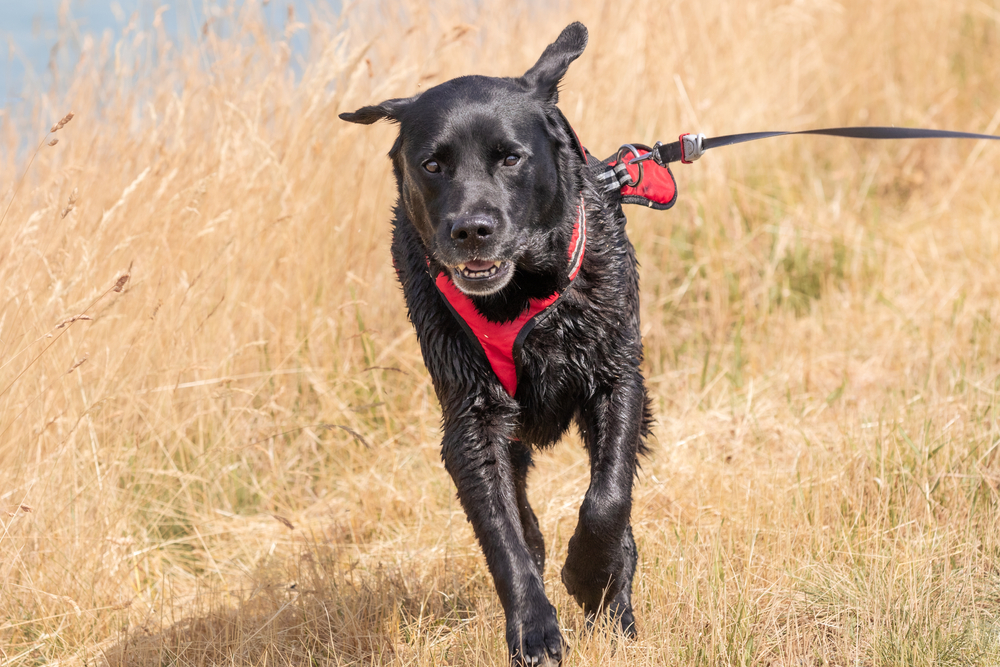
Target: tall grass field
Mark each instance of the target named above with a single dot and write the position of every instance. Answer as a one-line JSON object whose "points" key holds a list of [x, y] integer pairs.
{"points": [[218, 441]]}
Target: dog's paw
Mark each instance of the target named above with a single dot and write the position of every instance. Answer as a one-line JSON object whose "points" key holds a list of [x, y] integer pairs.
{"points": [[535, 641], [620, 613], [594, 600], [591, 583], [620, 620]]}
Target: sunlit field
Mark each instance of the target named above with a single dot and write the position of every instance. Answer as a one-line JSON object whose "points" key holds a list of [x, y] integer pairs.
{"points": [[218, 441]]}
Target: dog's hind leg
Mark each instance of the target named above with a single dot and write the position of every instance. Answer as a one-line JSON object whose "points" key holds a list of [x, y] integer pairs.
{"points": [[520, 460], [477, 453], [602, 554]]}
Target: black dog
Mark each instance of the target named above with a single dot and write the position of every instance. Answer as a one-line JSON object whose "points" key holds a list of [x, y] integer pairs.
{"points": [[523, 290]]}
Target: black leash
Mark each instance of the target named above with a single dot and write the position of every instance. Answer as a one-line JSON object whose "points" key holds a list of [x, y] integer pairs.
{"points": [[654, 186], [690, 147]]}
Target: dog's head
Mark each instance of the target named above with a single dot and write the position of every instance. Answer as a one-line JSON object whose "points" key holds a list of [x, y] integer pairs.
{"points": [[489, 169]]}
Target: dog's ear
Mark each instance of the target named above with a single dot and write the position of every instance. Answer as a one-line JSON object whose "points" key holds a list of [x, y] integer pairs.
{"points": [[544, 76], [389, 110]]}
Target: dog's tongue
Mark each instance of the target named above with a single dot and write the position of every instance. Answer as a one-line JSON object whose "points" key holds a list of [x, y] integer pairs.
{"points": [[475, 265]]}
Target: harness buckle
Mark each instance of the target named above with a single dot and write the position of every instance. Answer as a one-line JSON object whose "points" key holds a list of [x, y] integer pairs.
{"points": [[692, 147]]}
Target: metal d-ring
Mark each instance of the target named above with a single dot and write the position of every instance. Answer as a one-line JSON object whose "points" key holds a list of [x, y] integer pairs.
{"points": [[636, 159]]}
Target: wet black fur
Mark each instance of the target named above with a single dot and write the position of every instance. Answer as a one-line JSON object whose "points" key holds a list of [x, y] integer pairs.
{"points": [[580, 364]]}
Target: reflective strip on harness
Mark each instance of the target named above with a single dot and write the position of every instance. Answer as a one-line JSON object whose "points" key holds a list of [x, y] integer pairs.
{"points": [[502, 341]]}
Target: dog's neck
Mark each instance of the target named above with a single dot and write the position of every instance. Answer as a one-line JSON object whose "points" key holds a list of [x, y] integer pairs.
{"points": [[501, 339]]}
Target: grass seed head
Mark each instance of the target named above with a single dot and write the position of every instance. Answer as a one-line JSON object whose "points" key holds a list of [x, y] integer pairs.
{"points": [[62, 123], [71, 320], [285, 522], [122, 279], [70, 205]]}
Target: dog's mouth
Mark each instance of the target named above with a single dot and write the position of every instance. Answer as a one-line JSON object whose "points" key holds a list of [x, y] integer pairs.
{"points": [[481, 277], [475, 270]]}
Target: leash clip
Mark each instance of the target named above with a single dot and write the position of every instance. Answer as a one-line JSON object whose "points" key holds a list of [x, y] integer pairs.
{"points": [[692, 147]]}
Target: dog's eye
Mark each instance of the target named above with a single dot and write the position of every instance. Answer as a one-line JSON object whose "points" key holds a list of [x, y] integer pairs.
{"points": [[432, 166], [511, 160]]}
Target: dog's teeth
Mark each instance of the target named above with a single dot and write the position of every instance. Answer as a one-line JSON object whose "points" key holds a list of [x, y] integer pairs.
{"points": [[481, 273]]}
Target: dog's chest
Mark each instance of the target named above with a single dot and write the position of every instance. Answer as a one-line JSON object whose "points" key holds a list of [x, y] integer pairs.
{"points": [[580, 344], [585, 343]]}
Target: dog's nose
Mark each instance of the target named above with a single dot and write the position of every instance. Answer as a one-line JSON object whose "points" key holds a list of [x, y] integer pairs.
{"points": [[473, 228]]}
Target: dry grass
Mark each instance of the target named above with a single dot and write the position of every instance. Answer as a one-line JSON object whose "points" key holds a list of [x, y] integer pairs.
{"points": [[234, 459]]}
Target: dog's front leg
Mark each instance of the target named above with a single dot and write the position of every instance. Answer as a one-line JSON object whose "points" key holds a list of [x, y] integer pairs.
{"points": [[477, 453], [602, 554]]}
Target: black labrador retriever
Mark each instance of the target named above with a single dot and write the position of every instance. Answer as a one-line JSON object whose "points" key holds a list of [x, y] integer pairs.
{"points": [[523, 290]]}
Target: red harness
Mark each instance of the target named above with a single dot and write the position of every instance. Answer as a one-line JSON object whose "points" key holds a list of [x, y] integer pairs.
{"points": [[501, 341], [651, 185]]}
